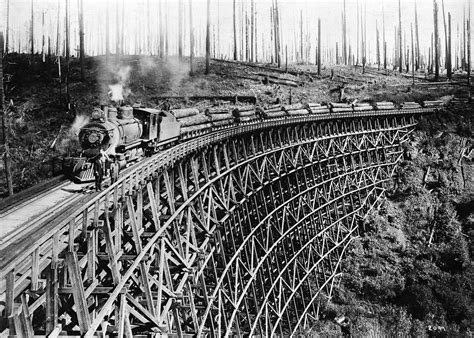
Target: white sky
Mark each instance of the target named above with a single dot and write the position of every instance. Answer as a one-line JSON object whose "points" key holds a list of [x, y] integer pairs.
{"points": [[328, 10]]}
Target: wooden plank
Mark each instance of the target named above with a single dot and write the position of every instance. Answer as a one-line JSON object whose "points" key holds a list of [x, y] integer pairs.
{"points": [[52, 299], [121, 316], [35, 269], [80, 300], [91, 254], [71, 235], [9, 294]]}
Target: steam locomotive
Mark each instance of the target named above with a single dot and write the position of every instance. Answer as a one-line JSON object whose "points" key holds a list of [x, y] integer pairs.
{"points": [[127, 134]]}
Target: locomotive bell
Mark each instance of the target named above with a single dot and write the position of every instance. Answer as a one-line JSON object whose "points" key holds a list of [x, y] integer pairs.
{"points": [[112, 113], [99, 114]]}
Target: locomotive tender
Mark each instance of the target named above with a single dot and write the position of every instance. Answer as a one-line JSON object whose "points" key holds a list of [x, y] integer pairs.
{"points": [[126, 134]]}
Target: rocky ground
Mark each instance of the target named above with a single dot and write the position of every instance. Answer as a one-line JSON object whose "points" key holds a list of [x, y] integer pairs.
{"points": [[410, 271]]}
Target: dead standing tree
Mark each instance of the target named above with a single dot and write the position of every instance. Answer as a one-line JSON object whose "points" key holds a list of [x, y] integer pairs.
{"points": [[235, 29], [400, 36], [191, 38], [208, 37], [6, 141], [31, 32], [68, 96], [81, 37], [436, 39]]}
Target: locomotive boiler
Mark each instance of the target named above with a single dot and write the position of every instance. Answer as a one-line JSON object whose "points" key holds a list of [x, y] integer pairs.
{"points": [[125, 134]]}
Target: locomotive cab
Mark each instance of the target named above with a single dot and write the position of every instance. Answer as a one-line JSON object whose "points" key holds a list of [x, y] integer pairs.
{"points": [[159, 127]]}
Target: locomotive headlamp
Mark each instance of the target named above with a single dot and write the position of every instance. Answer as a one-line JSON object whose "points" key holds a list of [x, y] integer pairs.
{"points": [[93, 138]]}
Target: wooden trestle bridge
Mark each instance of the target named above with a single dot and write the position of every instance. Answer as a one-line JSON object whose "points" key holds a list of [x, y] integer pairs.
{"points": [[237, 232]]}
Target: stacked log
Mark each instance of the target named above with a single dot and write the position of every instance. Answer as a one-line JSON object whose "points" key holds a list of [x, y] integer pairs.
{"points": [[384, 106], [185, 112], [316, 108], [362, 106], [296, 109], [219, 116], [274, 111], [410, 105], [245, 114], [194, 120], [191, 120], [340, 107], [433, 104]]}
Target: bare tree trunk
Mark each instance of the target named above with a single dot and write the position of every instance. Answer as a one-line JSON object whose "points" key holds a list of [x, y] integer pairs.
{"points": [[117, 33], [122, 33], [58, 43], [377, 44], [412, 56], [107, 33], [148, 27], [162, 42], [436, 40], [384, 41], [43, 41], [344, 44], [301, 35], [6, 141], [7, 28], [208, 38], [464, 30], [319, 46], [252, 31], [469, 50], [81, 37], [358, 23], [445, 37], [31, 31], [235, 29], [278, 36], [180, 29], [256, 35], [191, 37], [418, 61], [448, 54], [68, 97], [400, 34]]}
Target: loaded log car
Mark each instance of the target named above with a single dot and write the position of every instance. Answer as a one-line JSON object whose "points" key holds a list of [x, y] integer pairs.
{"points": [[125, 134]]}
